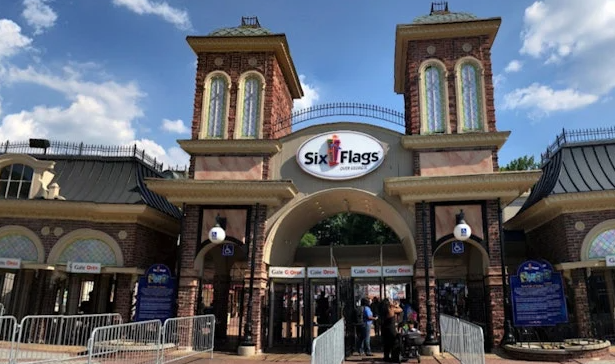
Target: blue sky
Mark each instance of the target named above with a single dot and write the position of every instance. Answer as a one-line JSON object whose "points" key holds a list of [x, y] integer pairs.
{"points": [[120, 71]]}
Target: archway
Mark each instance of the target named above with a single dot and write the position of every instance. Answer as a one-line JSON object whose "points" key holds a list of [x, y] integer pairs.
{"points": [[284, 235], [460, 269], [221, 289]]}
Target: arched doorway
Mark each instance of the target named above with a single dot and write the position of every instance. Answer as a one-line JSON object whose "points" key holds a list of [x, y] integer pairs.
{"points": [[221, 290], [460, 269]]}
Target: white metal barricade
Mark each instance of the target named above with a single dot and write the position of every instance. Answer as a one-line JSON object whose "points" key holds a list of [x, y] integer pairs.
{"points": [[8, 335], [136, 343], [328, 348], [462, 339], [56, 338], [183, 337]]}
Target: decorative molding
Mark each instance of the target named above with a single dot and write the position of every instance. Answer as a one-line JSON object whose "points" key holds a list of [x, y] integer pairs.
{"points": [[240, 146], [206, 104], [553, 206], [60, 246], [241, 99], [448, 141], [505, 185], [92, 212], [410, 32], [595, 263], [276, 43], [218, 192]]}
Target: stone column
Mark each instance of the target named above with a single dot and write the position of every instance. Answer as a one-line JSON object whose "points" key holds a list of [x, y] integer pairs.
{"points": [[494, 305], [124, 293], [186, 298], [419, 284], [581, 303]]}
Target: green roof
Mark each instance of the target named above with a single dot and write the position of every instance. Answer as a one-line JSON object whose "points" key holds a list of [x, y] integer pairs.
{"points": [[240, 31], [444, 17]]}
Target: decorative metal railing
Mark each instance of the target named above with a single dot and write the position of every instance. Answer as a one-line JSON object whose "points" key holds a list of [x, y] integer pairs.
{"points": [[81, 149], [577, 136], [287, 124]]}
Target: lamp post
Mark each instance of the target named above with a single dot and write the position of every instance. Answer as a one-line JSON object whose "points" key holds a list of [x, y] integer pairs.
{"points": [[430, 337], [508, 337]]}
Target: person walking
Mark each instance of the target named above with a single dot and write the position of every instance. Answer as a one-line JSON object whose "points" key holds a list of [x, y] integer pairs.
{"points": [[368, 318], [389, 331]]}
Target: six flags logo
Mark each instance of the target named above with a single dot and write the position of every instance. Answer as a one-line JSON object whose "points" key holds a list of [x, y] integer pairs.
{"points": [[335, 155]]}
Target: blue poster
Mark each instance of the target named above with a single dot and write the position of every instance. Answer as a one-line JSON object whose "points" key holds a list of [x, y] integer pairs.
{"points": [[156, 295], [537, 294]]}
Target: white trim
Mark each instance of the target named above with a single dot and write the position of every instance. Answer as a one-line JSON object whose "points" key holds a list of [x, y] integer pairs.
{"points": [[206, 101], [240, 104], [423, 95], [459, 96], [484, 254], [80, 234]]}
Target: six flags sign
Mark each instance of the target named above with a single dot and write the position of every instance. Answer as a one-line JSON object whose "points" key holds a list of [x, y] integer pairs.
{"points": [[340, 155]]}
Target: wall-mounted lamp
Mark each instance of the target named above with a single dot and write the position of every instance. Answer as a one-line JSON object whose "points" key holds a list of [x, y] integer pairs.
{"points": [[217, 234], [462, 231]]}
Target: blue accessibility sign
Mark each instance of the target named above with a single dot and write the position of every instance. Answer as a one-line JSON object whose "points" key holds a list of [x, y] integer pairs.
{"points": [[228, 250], [457, 247]]}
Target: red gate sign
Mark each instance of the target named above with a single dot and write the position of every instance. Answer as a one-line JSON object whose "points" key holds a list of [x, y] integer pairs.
{"points": [[10, 263], [398, 271], [369, 271], [286, 272], [322, 272], [84, 268]]}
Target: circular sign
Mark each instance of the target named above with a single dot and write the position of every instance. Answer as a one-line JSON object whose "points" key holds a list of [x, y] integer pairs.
{"points": [[217, 234], [340, 155]]}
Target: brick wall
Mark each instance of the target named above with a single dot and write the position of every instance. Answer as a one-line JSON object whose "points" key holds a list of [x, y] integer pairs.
{"points": [[448, 51]]}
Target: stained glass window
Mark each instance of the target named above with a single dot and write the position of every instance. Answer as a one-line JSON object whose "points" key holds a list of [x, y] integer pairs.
{"points": [[603, 245], [434, 100], [18, 247], [15, 181], [471, 97], [251, 107], [88, 251], [217, 107]]}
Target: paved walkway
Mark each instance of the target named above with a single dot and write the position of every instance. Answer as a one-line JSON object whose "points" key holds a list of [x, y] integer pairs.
{"points": [[221, 358]]}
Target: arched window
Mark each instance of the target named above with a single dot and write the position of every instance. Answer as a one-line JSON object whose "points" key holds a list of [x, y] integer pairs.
{"points": [[250, 107], [15, 181], [470, 100], [215, 105], [602, 245], [434, 108]]}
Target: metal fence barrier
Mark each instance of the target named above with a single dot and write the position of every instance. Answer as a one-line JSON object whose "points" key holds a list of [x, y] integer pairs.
{"points": [[8, 335], [183, 337], [45, 338], [328, 348], [464, 340], [136, 342]]}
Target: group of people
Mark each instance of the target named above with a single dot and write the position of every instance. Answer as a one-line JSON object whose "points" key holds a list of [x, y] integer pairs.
{"points": [[384, 316]]}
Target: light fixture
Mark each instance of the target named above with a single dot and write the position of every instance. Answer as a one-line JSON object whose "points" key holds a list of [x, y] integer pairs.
{"points": [[462, 231], [217, 234]]}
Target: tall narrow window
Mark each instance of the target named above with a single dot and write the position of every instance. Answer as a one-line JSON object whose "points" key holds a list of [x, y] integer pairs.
{"points": [[434, 103], [217, 107], [471, 97], [15, 181], [251, 108]]}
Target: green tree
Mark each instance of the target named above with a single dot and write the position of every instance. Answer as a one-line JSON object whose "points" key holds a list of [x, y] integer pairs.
{"points": [[308, 240], [350, 229], [524, 163]]}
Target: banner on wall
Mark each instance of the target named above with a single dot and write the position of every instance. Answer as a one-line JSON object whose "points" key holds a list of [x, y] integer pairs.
{"points": [[537, 294], [156, 294]]}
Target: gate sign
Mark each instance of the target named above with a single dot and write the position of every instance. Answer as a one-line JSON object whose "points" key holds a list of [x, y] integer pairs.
{"points": [[10, 263], [340, 155], [156, 294], [85, 268], [537, 295], [286, 272], [322, 272], [398, 271], [370, 271]]}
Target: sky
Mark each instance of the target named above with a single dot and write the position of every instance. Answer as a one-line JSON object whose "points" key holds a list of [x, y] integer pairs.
{"points": [[120, 71]]}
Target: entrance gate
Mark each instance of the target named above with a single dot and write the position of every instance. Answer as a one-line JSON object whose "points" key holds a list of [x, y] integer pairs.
{"points": [[286, 308], [321, 301]]}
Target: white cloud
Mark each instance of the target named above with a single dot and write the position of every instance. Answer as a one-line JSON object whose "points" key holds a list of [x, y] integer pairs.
{"points": [[174, 126], [498, 80], [174, 158], [177, 17], [39, 15], [11, 39], [513, 66], [576, 35], [541, 99], [310, 95]]}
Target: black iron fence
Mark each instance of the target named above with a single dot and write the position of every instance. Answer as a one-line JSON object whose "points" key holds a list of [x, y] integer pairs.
{"points": [[577, 136], [81, 149], [595, 329]]}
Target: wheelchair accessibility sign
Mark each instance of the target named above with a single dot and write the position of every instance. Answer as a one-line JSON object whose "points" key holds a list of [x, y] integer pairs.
{"points": [[458, 247], [228, 250]]}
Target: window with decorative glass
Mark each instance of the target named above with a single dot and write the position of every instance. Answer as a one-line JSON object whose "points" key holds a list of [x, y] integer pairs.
{"points": [[217, 107], [251, 112], [15, 181], [602, 245], [434, 103], [471, 97]]}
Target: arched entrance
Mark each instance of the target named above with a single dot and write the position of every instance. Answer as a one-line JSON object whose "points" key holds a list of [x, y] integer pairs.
{"points": [[460, 270], [221, 289]]}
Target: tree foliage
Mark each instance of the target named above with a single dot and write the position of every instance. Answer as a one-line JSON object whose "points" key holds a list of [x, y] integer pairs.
{"points": [[524, 163], [349, 229]]}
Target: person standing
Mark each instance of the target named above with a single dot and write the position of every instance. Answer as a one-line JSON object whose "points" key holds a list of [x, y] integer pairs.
{"points": [[368, 319], [375, 307], [389, 331]]}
